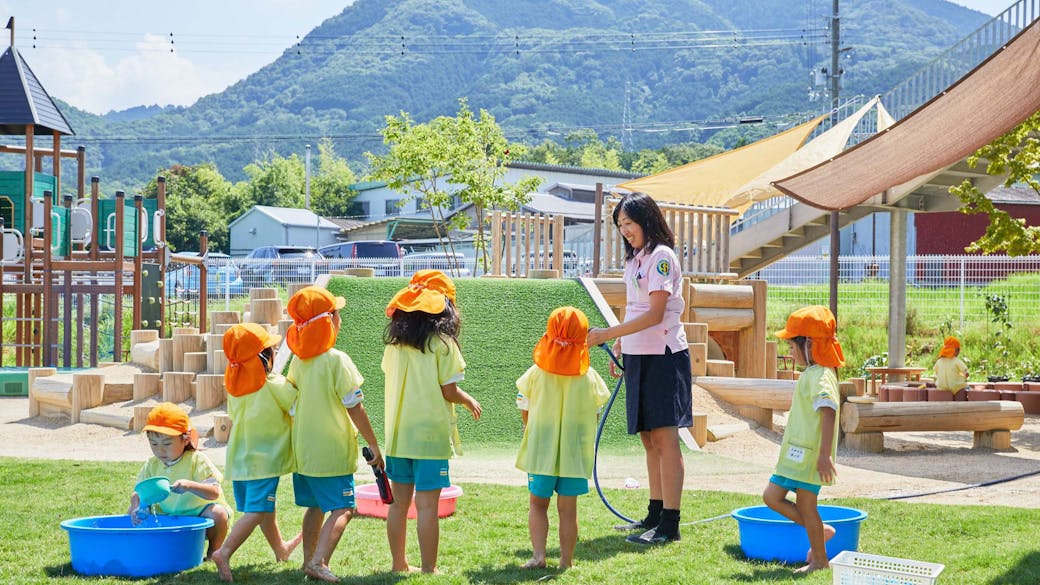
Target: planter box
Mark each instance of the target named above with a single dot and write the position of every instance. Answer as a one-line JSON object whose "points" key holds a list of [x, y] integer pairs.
{"points": [[895, 394], [1007, 386], [883, 394], [915, 394], [937, 395], [1030, 401], [976, 394], [961, 395], [1031, 386], [1005, 395]]}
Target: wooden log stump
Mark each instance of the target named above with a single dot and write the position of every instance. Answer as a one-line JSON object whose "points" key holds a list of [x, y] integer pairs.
{"points": [[143, 336], [996, 440], [166, 355], [209, 391], [770, 359], [699, 430], [698, 359], [262, 293], [214, 343], [265, 311], [186, 343], [185, 331], [176, 386], [723, 319], [762, 417], [295, 287], [724, 368], [696, 332], [34, 373], [220, 362], [761, 392], [195, 362], [283, 326], [222, 329], [543, 273], [221, 428], [359, 271], [140, 418], [223, 318], [147, 385], [86, 393]]}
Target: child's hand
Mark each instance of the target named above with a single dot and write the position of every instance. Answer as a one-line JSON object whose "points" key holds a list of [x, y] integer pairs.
{"points": [[180, 486], [377, 457], [474, 408], [826, 468], [596, 336]]}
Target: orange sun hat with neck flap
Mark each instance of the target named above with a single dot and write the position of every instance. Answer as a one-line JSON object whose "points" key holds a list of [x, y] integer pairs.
{"points": [[312, 332], [169, 419], [563, 349], [950, 347], [428, 291], [817, 323], [245, 372]]}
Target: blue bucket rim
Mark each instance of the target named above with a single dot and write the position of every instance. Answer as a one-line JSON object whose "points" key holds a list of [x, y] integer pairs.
{"points": [[198, 523], [740, 515]]}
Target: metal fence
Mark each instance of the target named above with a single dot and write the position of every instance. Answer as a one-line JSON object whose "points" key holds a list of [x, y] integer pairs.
{"points": [[939, 289]]}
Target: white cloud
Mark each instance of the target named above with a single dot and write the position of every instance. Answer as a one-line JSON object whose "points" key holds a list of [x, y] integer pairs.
{"points": [[99, 82]]}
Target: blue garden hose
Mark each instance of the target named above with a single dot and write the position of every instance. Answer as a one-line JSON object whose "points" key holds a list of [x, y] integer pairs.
{"points": [[599, 434]]}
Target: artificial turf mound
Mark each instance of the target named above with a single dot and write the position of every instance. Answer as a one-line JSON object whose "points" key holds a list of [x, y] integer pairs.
{"points": [[502, 320]]}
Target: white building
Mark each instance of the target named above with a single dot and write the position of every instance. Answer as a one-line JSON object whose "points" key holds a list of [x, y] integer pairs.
{"points": [[280, 226]]}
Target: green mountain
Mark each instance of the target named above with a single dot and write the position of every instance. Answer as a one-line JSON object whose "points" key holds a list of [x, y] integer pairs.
{"points": [[543, 67]]}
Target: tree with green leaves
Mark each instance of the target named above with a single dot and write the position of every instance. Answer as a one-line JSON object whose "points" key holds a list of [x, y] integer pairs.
{"points": [[445, 158], [194, 203], [1016, 154]]}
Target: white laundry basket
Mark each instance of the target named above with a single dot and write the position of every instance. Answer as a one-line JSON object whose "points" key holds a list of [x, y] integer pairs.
{"points": [[856, 568]]}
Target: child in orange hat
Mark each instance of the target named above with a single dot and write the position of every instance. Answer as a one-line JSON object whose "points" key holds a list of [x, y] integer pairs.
{"points": [[950, 372], [194, 480], [422, 364], [327, 419], [559, 398], [811, 437], [259, 451]]}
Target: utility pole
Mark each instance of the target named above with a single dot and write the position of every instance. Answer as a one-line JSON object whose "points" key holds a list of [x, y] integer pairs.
{"points": [[835, 78]]}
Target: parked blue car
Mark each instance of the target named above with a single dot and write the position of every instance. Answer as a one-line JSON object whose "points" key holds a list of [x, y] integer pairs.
{"points": [[222, 278]]}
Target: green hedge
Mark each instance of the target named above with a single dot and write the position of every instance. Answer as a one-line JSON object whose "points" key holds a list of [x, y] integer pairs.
{"points": [[502, 320]]}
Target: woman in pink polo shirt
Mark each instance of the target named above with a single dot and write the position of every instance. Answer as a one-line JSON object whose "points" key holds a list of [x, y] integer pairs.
{"points": [[652, 343]]}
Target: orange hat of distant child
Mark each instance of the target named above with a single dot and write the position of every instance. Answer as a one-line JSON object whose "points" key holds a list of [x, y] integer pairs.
{"points": [[428, 291], [245, 372], [563, 350], [818, 324], [312, 332], [950, 347], [169, 419]]}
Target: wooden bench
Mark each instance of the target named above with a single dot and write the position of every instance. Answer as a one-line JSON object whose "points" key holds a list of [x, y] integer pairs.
{"points": [[992, 421]]}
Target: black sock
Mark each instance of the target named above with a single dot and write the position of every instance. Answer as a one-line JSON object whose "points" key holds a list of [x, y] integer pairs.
{"points": [[669, 524], [653, 513]]}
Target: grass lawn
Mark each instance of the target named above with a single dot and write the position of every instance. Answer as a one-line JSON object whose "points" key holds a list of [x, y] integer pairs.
{"points": [[486, 540]]}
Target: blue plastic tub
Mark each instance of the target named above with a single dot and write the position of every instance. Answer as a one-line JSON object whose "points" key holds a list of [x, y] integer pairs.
{"points": [[112, 546], [768, 536]]}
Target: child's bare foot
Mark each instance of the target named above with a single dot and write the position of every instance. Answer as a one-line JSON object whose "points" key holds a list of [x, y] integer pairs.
{"points": [[534, 563], [564, 565], [320, 572], [287, 548], [812, 567], [828, 533], [223, 565], [405, 569]]}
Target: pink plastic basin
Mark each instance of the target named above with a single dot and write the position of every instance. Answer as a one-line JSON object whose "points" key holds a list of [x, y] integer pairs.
{"points": [[369, 504]]}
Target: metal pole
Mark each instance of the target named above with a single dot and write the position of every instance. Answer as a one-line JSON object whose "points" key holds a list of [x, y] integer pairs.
{"points": [[307, 196], [897, 290], [835, 251]]}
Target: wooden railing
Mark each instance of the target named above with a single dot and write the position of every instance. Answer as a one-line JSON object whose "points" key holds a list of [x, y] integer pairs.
{"points": [[701, 238], [521, 242]]}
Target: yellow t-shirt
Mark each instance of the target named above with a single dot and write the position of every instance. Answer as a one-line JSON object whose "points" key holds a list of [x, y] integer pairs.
{"points": [[420, 423], [951, 374], [324, 439], [192, 466], [817, 387], [259, 446], [561, 422]]}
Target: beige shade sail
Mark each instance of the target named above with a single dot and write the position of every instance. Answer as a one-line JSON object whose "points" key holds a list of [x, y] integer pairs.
{"points": [[991, 100], [711, 181], [817, 150]]}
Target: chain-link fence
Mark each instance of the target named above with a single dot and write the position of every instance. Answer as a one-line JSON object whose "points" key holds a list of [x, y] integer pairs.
{"points": [[939, 289]]}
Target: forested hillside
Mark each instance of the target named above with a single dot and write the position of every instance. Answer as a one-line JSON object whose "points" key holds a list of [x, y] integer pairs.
{"points": [[544, 68]]}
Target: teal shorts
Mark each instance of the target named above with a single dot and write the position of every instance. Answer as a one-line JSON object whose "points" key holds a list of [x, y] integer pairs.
{"points": [[327, 493], [793, 484], [425, 474], [543, 486], [255, 495]]}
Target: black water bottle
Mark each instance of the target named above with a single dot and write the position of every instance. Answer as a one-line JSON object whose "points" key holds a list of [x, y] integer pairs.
{"points": [[382, 481]]}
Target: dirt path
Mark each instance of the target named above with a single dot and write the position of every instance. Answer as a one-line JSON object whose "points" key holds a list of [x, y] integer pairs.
{"points": [[912, 462]]}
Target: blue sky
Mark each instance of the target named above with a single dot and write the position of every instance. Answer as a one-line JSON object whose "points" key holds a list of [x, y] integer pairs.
{"points": [[103, 55]]}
